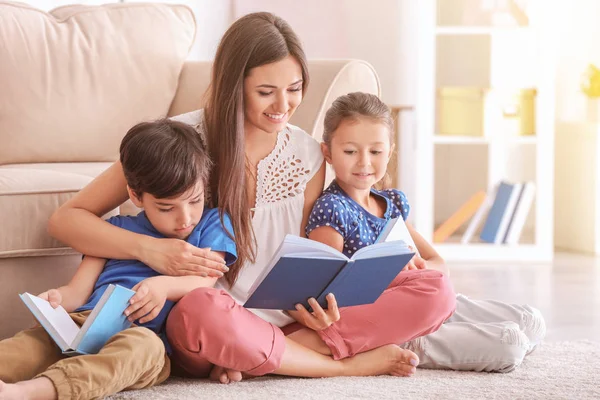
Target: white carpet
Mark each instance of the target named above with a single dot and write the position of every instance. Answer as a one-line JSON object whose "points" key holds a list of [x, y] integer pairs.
{"points": [[566, 370]]}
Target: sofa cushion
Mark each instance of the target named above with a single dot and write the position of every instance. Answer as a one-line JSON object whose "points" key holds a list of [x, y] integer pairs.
{"points": [[72, 81], [28, 197]]}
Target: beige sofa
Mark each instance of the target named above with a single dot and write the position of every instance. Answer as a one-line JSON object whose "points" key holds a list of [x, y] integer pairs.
{"points": [[72, 81]]}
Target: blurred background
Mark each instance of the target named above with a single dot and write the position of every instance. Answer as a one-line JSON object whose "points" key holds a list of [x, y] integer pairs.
{"points": [[496, 107]]}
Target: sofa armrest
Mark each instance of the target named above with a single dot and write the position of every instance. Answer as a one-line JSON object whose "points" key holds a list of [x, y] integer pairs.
{"points": [[328, 80]]}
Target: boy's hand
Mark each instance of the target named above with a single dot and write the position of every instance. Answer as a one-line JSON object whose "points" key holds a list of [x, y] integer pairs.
{"points": [[148, 301], [52, 296], [416, 263], [319, 319]]}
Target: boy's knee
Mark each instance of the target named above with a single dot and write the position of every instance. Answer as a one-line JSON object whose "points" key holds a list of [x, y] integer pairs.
{"points": [[137, 338]]}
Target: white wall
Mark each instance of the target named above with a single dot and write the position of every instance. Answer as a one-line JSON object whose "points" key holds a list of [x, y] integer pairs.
{"points": [[378, 31], [213, 17]]}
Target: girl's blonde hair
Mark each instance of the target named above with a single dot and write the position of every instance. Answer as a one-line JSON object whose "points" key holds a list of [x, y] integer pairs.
{"points": [[352, 107], [255, 39]]}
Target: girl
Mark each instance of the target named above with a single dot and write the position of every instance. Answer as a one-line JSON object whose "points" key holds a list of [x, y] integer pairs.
{"points": [[267, 175], [358, 142]]}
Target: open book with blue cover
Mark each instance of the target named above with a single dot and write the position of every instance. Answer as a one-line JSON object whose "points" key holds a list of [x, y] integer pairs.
{"points": [[105, 320], [302, 268]]}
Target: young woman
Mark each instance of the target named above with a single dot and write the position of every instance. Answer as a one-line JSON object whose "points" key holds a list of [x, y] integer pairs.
{"points": [[267, 175]]}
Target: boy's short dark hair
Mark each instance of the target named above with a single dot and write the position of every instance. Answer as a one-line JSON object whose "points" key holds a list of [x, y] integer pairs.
{"points": [[164, 158]]}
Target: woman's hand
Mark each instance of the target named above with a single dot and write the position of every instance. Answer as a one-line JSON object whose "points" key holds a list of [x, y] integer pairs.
{"points": [[416, 263], [319, 319], [52, 296], [175, 257], [148, 301]]}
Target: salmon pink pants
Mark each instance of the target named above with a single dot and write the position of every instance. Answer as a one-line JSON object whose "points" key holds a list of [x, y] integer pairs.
{"points": [[207, 327]]}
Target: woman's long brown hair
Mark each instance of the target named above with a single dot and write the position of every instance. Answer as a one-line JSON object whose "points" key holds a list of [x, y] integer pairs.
{"points": [[253, 40]]}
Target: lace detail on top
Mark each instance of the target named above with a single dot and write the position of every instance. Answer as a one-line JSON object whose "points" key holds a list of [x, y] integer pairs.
{"points": [[283, 174]]}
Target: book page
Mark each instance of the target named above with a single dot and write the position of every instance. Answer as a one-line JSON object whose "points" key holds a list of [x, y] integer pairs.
{"points": [[385, 249], [396, 230], [58, 318]]}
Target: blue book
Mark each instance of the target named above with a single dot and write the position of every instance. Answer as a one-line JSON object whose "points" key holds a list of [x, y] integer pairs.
{"points": [[105, 320], [500, 214], [302, 268]]}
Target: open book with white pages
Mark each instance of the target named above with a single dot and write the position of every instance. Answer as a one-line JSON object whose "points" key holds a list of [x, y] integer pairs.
{"points": [[106, 319]]}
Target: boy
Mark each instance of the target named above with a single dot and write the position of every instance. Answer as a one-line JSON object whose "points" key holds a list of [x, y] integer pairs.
{"points": [[166, 167]]}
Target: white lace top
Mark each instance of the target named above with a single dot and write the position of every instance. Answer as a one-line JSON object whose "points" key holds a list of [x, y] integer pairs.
{"points": [[282, 179]]}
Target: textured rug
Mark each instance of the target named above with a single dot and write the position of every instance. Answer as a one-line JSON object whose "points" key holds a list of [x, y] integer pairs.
{"points": [[566, 370]]}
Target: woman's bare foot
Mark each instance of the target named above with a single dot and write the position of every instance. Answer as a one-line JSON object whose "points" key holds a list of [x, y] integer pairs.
{"points": [[385, 360], [11, 392], [225, 375]]}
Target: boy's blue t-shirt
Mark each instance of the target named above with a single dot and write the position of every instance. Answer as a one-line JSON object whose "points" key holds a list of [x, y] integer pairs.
{"points": [[358, 227], [209, 232]]}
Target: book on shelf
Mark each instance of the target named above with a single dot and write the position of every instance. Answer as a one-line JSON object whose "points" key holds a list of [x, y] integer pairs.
{"points": [[498, 218], [508, 213], [519, 217], [302, 268], [477, 219], [456, 220], [105, 320]]}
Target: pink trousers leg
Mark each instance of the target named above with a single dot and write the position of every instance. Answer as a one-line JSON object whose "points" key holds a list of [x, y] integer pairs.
{"points": [[208, 327], [415, 304]]}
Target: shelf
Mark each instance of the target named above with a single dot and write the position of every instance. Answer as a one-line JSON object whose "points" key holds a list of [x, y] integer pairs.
{"points": [[486, 251], [479, 30], [450, 139], [441, 172]]}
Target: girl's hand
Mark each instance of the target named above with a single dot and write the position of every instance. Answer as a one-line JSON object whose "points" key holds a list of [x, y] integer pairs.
{"points": [[416, 263], [148, 301], [176, 257], [319, 319], [52, 296]]}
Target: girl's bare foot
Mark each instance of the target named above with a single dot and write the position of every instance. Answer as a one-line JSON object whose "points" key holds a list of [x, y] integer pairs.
{"points": [[385, 360], [11, 392]]}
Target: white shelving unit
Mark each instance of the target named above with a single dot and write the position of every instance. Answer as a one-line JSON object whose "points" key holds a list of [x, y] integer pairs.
{"points": [[499, 156]]}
